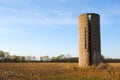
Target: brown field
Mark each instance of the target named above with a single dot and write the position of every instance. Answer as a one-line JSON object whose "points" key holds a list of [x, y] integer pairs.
{"points": [[58, 71]]}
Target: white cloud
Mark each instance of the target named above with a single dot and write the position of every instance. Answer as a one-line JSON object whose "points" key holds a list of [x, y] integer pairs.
{"points": [[61, 13], [29, 17]]}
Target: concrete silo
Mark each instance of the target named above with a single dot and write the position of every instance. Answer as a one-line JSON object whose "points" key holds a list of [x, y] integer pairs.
{"points": [[89, 40]]}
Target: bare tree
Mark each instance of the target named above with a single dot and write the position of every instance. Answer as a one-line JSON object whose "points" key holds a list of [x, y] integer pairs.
{"points": [[29, 58], [44, 58], [33, 58], [2, 56]]}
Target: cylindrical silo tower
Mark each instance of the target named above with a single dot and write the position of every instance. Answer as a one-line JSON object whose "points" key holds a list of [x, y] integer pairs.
{"points": [[89, 40]]}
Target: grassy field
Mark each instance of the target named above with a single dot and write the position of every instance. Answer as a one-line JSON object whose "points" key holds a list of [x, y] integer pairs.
{"points": [[58, 71]]}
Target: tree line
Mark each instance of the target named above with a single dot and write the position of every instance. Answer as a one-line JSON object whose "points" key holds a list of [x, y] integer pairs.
{"points": [[6, 57]]}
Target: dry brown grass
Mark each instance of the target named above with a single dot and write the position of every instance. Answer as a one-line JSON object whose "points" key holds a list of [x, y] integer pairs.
{"points": [[58, 71]]}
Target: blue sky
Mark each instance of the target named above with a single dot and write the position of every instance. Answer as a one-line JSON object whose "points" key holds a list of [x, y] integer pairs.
{"points": [[50, 27]]}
